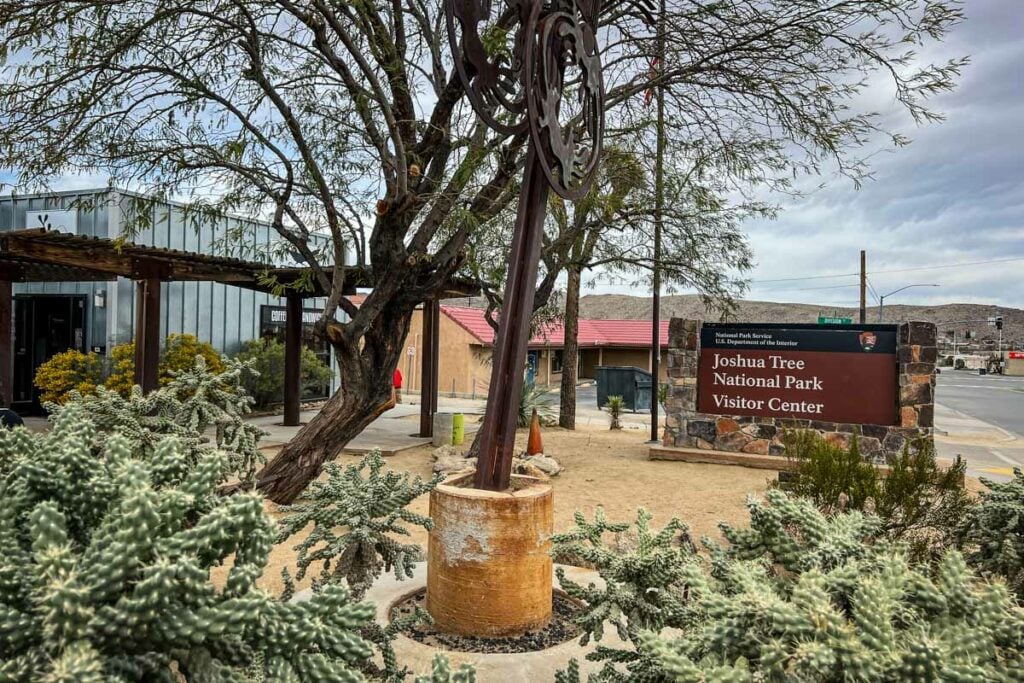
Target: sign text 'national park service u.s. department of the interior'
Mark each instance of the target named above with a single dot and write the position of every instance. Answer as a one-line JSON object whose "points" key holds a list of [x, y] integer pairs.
{"points": [[829, 373]]}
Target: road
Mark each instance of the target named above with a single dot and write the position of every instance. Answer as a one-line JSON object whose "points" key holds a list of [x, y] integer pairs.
{"points": [[982, 418], [992, 398]]}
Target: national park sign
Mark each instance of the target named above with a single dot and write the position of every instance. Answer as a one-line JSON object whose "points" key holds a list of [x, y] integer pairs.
{"points": [[833, 373]]}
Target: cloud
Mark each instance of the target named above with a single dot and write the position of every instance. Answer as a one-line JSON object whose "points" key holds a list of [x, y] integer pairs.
{"points": [[955, 195]]}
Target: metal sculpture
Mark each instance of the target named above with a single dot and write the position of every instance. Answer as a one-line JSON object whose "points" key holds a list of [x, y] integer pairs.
{"points": [[517, 89]]}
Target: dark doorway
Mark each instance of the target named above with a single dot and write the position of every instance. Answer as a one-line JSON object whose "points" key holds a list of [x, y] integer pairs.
{"points": [[272, 319], [44, 325]]}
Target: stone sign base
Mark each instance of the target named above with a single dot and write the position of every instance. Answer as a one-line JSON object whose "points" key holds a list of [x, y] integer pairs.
{"points": [[758, 462]]}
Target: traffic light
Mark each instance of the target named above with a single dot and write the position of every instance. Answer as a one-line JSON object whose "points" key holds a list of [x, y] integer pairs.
{"points": [[999, 322]]}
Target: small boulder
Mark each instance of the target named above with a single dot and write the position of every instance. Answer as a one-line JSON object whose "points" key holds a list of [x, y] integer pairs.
{"points": [[528, 470], [447, 452], [547, 465], [448, 460], [452, 465]]}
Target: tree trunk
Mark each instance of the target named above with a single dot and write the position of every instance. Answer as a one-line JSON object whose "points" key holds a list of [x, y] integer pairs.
{"points": [[342, 418], [367, 373], [570, 351]]}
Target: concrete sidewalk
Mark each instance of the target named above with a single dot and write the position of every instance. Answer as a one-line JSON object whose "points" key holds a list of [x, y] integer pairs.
{"points": [[990, 450], [394, 431], [587, 415], [955, 426]]}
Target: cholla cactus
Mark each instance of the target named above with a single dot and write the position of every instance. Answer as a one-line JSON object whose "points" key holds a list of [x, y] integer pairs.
{"points": [[644, 583], [105, 562], [801, 597], [877, 619], [355, 519], [794, 534], [993, 533], [442, 673], [194, 401]]}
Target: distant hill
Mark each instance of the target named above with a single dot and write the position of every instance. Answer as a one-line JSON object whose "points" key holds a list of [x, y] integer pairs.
{"points": [[621, 306]]}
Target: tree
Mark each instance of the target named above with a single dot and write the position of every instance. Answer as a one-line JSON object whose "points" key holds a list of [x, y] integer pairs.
{"points": [[346, 120], [611, 229]]}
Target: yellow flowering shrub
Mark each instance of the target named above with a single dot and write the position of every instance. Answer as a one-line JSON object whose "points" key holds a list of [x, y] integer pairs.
{"points": [[180, 354], [122, 369], [180, 351], [67, 371]]}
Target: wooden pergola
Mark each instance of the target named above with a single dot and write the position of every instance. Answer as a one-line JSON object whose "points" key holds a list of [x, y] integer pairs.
{"points": [[39, 255]]}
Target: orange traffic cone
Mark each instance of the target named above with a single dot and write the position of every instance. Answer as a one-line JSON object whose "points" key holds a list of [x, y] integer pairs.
{"points": [[533, 444]]}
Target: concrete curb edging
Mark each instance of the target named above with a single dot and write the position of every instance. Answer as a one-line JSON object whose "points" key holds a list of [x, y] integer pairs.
{"points": [[525, 667]]}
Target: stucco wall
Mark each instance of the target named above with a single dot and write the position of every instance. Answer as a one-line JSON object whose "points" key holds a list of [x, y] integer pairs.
{"points": [[462, 364]]}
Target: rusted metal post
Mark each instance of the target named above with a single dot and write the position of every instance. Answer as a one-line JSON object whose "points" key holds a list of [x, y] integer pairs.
{"points": [[497, 442], [6, 343], [292, 359], [524, 95], [147, 334], [428, 366]]}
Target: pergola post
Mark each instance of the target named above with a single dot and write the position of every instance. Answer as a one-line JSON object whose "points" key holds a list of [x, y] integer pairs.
{"points": [[428, 365], [6, 343], [292, 358], [147, 334]]}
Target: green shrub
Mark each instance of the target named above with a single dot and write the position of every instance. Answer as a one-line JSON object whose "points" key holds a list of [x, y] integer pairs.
{"points": [[194, 401], [993, 532], [122, 369], [266, 383], [614, 405], [535, 398], [832, 476], [180, 352], [66, 372], [105, 563], [916, 502]]}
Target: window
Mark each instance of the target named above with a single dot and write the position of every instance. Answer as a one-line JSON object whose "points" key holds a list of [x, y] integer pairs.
{"points": [[556, 360]]}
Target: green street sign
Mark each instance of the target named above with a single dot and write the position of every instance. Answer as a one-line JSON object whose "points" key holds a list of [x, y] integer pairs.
{"points": [[833, 320]]}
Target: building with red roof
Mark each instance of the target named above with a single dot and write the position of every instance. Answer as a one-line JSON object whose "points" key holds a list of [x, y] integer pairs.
{"points": [[466, 337]]}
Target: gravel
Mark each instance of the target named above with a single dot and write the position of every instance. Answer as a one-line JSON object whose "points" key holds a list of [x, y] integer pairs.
{"points": [[559, 630]]}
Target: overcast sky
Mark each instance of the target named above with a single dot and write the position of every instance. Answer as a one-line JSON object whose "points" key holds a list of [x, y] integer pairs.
{"points": [[955, 195]]}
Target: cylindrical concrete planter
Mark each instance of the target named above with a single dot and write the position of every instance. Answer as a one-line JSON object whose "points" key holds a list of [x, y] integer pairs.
{"points": [[488, 567]]}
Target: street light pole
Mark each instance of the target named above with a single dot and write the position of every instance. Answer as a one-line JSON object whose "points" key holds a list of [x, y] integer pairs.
{"points": [[881, 299]]}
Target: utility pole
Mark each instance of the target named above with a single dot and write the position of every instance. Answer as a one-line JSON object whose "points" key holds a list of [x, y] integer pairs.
{"points": [[659, 206], [863, 287]]}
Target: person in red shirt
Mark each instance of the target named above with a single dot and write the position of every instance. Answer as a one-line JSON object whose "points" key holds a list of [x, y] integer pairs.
{"points": [[398, 385]]}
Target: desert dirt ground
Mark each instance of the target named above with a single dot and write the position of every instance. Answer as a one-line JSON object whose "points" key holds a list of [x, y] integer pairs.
{"points": [[603, 468]]}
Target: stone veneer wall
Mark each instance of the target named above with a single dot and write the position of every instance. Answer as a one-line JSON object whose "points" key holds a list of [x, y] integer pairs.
{"points": [[916, 354]]}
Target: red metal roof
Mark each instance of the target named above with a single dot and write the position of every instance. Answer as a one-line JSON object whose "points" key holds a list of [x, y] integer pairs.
{"points": [[592, 333]]}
